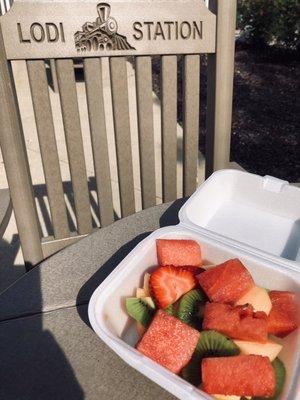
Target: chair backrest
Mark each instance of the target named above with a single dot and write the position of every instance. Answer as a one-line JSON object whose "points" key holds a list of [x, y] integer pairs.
{"points": [[4, 6], [67, 32]]}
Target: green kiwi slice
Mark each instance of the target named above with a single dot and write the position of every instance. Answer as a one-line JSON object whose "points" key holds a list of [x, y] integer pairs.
{"points": [[214, 344], [188, 307], [170, 310], [210, 344], [139, 310], [280, 373]]}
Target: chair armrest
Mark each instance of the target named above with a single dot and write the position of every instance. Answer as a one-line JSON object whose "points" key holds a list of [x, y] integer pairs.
{"points": [[5, 210]]}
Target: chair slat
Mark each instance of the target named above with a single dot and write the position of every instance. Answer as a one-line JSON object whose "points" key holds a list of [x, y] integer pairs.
{"points": [[169, 126], [71, 120], [15, 159], [94, 90], [220, 80], [45, 129], [191, 89], [119, 88], [146, 130]]}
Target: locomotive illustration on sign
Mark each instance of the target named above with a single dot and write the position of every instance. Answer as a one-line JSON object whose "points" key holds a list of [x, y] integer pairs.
{"points": [[101, 34]]}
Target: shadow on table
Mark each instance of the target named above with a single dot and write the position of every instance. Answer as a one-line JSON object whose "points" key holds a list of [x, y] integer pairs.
{"points": [[9, 272], [169, 217], [32, 364]]}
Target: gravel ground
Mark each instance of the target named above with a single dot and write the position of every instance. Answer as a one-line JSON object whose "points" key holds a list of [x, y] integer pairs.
{"points": [[266, 112]]}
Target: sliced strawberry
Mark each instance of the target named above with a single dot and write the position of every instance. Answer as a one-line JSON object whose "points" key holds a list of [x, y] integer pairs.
{"points": [[169, 283]]}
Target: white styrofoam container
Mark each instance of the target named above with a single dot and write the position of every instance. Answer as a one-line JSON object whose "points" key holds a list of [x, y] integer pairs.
{"points": [[230, 205]]}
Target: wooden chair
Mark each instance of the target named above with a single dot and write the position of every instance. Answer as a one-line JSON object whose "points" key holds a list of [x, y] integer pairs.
{"points": [[39, 31]]}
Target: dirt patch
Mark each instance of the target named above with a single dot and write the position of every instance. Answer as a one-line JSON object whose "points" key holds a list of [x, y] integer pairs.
{"points": [[266, 112]]}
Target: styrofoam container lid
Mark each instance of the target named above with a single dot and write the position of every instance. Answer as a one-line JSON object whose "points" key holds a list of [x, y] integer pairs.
{"points": [[233, 214], [261, 214]]}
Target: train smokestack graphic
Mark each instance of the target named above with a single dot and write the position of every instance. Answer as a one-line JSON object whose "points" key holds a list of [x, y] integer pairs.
{"points": [[101, 34]]}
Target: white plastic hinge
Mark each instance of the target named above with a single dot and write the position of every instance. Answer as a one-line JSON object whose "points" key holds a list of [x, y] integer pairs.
{"points": [[273, 184]]}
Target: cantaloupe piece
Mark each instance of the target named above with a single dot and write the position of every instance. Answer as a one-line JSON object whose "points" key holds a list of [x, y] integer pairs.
{"points": [[258, 297], [269, 349]]}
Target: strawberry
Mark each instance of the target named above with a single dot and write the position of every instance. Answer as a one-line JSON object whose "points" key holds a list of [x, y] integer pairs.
{"points": [[168, 284]]}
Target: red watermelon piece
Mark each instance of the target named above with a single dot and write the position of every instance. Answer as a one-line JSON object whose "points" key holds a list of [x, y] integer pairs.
{"points": [[238, 322], [169, 342], [227, 282], [282, 319], [242, 375], [178, 252]]}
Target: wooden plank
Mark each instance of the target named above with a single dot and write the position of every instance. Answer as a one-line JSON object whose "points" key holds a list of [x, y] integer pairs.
{"points": [[144, 96], [46, 135], [54, 75], [222, 71], [71, 120], [16, 166], [5, 210], [169, 126], [119, 88], [94, 90], [191, 92]]}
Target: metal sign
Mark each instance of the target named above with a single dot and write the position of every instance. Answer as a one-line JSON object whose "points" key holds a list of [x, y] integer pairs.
{"points": [[67, 29]]}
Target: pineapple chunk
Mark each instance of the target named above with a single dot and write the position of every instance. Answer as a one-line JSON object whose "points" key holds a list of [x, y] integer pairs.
{"points": [[140, 293], [148, 300], [258, 297], [269, 349]]}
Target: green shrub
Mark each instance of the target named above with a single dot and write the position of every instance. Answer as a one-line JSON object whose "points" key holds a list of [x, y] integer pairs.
{"points": [[270, 21]]}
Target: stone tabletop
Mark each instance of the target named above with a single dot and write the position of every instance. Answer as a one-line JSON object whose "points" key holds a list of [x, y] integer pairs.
{"points": [[48, 350], [70, 277], [56, 356]]}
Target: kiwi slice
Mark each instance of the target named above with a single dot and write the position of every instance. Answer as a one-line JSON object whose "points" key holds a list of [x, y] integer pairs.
{"points": [[170, 310], [192, 372], [188, 307], [210, 344], [280, 373], [214, 344], [139, 310]]}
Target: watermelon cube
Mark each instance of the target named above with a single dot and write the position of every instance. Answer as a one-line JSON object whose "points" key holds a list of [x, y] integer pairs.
{"points": [[282, 319], [238, 322], [178, 253], [227, 282], [169, 342], [250, 375]]}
